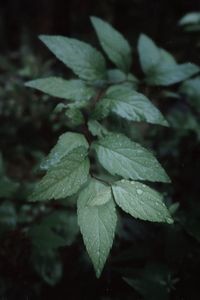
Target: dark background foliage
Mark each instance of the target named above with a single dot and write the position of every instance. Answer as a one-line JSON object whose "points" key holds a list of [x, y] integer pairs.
{"points": [[146, 253]]}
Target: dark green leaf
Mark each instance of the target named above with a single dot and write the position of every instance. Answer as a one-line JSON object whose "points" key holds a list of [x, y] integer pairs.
{"points": [[43, 238], [75, 117], [96, 128]]}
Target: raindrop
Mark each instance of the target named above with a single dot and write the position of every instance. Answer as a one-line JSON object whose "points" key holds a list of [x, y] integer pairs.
{"points": [[169, 220], [139, 192]]}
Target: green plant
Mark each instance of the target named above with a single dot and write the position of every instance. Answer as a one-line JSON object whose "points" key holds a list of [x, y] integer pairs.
{"points": [[96, 162], [191, 21]]}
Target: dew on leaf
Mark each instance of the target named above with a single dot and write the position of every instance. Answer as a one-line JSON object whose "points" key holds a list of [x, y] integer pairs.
{"points": [[139, 192]]}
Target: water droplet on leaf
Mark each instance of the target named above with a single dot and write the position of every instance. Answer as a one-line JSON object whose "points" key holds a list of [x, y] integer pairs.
{"points": [[139, 192]]}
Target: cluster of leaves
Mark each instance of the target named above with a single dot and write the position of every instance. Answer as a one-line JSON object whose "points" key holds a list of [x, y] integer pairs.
{"points": [[98, 164]]}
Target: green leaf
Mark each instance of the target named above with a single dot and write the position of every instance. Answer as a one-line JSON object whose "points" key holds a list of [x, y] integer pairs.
{"points": [[97, 225], [168, 74], [190, 18], [132, 105], [73, 89], [65, 178], [151, 56], [117, 76], [84, 60], [102, 109], [100, 193], [119, 155], [149, 53], [166, 58], [160, 66], [96, 128], [113, 43], [75, 117], [66, 143], [140, 201]]}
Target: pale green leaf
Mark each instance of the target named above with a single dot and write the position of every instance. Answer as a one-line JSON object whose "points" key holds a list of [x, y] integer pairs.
{"points": [[97, 225], [114, 44], [151, 56], [119, 155], [149, 53], [117, 76], [101, 193], [65, 89], [66, 143], [190, 18], [84, 60], [64, 178], [60, 107], [140, 201], [166, 57], [132, 105], [167, 74], [160, 66]]}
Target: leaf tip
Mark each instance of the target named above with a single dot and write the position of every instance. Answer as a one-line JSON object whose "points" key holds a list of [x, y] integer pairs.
{"points": [[93, 18], [98, 273], [27, 83], [170, 220], [42, 37], [142, 37]]}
